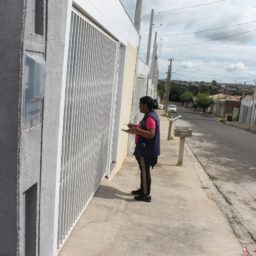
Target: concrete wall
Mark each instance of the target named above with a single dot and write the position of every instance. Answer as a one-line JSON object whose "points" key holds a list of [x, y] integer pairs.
{"points": [[58, 24], [219, 108], [22, 164], [37, 161], [126, 105], [30, 138], [11, 33], [246, 110], [119, 24]]}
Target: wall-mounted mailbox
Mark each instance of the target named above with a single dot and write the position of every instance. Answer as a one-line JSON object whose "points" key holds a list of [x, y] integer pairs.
{"points": [[33, 91]]}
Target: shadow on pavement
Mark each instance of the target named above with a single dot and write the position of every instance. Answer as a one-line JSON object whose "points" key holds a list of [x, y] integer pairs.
{"points": [[109, 192]]}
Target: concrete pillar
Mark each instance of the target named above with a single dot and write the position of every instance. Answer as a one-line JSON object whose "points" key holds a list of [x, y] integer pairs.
{"points": [[11, 34], [28, 182], [170, 130], [181, 151]]}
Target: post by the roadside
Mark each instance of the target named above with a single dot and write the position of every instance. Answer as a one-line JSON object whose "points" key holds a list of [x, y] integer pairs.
{"points": [[170, 129], [182, 132], [149, 46], [181, 151], [168, 84]]}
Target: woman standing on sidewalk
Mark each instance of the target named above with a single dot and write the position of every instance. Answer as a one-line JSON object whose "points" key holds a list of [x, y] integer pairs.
{"points": [[147, 147]]}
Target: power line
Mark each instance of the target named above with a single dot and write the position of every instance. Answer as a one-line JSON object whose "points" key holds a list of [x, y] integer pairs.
{"points": [[211, 29], [191, 6], [187, 7], [214, 39]]}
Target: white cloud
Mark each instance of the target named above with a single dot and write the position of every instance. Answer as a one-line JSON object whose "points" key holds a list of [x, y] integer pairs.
{"points": [[191, 63], [235, 67], [203, 60]]}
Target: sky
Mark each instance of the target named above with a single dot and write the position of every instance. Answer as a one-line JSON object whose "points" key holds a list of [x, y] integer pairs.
{"points": [[208, 39]]}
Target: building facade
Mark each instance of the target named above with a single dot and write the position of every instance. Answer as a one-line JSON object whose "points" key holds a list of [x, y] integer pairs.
{"points": [[226, 106], [67, 75], [248, 110]]}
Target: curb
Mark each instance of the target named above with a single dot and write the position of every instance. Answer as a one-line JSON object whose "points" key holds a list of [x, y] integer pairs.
{"points": [[248, 129], [245, 238]]}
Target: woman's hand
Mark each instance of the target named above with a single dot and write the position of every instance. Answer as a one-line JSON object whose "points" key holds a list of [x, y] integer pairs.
{"points": [[130, 125], [132, 130]]}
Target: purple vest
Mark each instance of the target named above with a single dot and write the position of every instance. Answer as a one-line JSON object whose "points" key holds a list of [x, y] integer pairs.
{"points": [[149, 148]]}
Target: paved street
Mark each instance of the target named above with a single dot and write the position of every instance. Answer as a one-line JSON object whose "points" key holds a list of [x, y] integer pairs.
{"points": [[228, 155]]}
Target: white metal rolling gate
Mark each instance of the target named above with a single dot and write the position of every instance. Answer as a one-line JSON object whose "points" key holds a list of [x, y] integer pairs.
{"points": [[90, 88]]}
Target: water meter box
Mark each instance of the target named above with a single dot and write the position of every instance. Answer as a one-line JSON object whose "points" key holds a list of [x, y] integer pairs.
{"points": [[33, 90]]}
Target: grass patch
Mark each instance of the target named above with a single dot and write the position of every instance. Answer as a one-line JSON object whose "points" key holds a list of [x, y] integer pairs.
{"points": [[167, 114], [213, 178]]}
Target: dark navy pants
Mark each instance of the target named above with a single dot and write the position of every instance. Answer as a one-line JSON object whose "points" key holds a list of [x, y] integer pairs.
{"points": [[145, 175]]}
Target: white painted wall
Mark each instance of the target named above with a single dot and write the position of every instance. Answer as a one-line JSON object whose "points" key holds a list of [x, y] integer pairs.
{"points": [[248, 102], [143, 69], [112, 16]]}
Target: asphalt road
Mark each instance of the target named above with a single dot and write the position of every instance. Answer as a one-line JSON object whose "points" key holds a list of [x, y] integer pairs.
{"points": [[228, 155], [233, 147]]}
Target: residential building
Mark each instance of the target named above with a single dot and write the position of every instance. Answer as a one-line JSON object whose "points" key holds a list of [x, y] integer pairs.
{"points": [[226, 106], [248, 110], [67, 75]]}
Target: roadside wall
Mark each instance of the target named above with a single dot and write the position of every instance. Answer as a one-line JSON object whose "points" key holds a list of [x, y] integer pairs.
{"points": [[11, 34], [126, 105], [30, 156]]}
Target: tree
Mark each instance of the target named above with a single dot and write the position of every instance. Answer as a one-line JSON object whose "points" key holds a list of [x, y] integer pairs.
{"points": [[203, 87], [214, 83], [186, 97], [161, 89], [194, 89], [203, 101], [176, 90]]}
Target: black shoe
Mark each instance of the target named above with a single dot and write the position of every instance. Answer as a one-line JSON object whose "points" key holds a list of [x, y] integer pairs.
{"points": [[143, 198], [137, 192]]}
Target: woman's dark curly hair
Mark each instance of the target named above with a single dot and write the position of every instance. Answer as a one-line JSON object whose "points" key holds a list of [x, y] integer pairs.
{"points": [[151, 103]]}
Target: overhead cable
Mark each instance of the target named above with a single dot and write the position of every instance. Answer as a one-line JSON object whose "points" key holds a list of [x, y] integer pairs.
{"points": [[211, 29], [191, 6], [214, 39]]}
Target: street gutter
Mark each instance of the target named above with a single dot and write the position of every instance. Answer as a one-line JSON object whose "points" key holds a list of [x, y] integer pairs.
{"points": [[244, 236]]}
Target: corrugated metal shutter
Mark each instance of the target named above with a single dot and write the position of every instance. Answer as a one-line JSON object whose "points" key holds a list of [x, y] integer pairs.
{"points": [[90, 89]]}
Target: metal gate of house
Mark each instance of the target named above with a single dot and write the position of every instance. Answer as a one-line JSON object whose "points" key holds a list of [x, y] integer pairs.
{"points": [[88, 120]]}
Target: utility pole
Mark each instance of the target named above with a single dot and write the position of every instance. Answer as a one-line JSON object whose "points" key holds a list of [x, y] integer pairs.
{"points": [[137, 22], [150, 37], [137, 18], [153, 69], [149, 47], [168, 84], [153, 57]]}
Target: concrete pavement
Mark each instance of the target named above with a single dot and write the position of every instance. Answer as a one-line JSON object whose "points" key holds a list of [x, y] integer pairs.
{"points": [[243, 126], [181, 219]]}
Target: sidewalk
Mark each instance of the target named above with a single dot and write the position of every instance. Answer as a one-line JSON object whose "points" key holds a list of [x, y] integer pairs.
{"points": [[181, 219], [242, 126]]}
